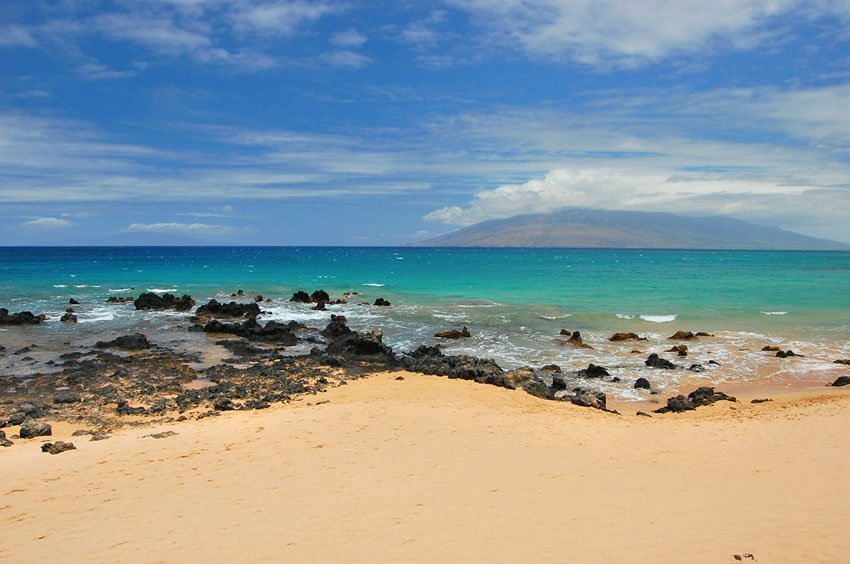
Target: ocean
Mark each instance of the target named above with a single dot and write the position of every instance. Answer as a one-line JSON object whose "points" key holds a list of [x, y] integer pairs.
{"points": [[514, 301]]}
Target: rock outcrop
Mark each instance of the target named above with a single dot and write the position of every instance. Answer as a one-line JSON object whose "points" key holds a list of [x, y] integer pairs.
{"points": [[151, 301]]}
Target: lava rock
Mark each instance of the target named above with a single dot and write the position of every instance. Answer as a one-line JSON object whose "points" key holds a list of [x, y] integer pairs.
{"points": [[539, 389], [770, 348], [20, 318], [320, 296], [300, 297], [845, 361], [31, 428], [705, 395], [841, 381], [336, 328], [787, 354], [682, 336], [626, 337], [120, 300], [232, 309], [72, 301], [66, 396], [681, 350], [279, 333], [551, 368], [454, 334], [696, 368], [589, 398], [642, 384], [558, 383], [4, 442], [593, 371], [57, 447], [224, 404], [134, 342], [677, 404], [151, 301], [576, 341], [382, 302], [68, 318], [656, 361]]}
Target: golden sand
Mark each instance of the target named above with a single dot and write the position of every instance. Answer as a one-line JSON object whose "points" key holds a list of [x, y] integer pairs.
{"points": [[435, 470]]}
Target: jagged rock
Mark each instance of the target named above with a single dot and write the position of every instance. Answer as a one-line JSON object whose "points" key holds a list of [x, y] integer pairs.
{"points": [[280, 333], [454, 334], [677, 404], [706, 395], [353, 344], [300, 297], [336, 328], [20, 318], [589, 398], [656, 361], [258, 298], [72, 301], [68, 318], [431, 360], [17, 418], [593, 371], [232, 309], [696, 368], [124, 408], [576, 341], [786, 354], [57, 447], [320, 306], [320, 296], [224, 404], [642, 384], [845, 361], [382, 302], [66, 396], [151, 301], [841, 381], [120, 300], [559, 383], [519, 376], [626, 337], [31, 428], [682, 336], [681, 350], [134, 342], [539, 389], [770, 348]]}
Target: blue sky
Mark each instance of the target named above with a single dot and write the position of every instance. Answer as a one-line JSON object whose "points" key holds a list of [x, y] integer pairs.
{"points": [[379, 123]]}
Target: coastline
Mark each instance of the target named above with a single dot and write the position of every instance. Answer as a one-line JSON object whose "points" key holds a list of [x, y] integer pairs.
{"points": [[435, 469]]}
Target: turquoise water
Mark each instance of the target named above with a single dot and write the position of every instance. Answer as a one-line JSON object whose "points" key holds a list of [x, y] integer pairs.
{"points": [[514, 301]]}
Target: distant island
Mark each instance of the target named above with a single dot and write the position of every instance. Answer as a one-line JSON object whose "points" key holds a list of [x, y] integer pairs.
{"points": [[592, 228]]}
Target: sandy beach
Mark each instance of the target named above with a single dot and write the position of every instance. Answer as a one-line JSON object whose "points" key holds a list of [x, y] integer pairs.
{"points": [[427, 469]]}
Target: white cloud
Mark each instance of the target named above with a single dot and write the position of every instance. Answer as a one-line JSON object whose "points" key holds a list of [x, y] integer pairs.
{"points": [[16, 36], [48, 223], [348, 39], [346, 58], [633, 32], [280, 17], [181, 228]]}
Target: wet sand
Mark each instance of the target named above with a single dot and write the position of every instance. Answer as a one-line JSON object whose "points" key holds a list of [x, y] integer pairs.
{"points": [[432, 470]]}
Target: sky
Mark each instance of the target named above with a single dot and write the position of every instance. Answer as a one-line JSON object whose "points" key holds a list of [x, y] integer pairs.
{"points": [[371, 122]]}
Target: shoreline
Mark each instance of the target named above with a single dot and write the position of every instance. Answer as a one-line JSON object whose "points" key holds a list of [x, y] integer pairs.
{"points": [[435, 469]]}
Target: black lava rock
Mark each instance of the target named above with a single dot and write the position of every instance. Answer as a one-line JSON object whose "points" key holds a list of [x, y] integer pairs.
{"points": [[656, 361], [642, 384]]}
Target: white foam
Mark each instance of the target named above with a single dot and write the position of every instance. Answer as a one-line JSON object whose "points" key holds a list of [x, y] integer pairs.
{"points": [[775, 312], [659, 318], [60, 285], [120, 290], [625, 316], [374, 284], [101, 317], [162, 289], [555, 317]]}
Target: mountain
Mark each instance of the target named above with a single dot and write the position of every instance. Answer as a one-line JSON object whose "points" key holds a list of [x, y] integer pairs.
{"points": [[589, 228]]}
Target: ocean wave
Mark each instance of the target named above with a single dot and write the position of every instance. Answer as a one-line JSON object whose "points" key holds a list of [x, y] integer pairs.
{"points": [[659, 318], [162, 289], [120, 290], [86, 286], [374, 284], [625, 316], [95, 318], [555, 317], [775, 312], [60, 285]]}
